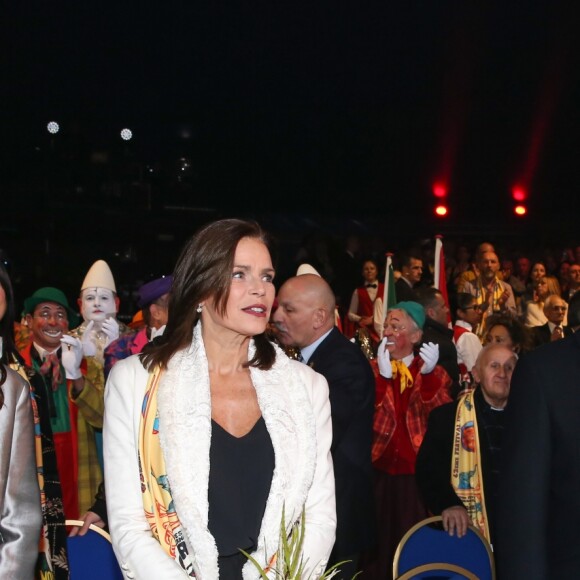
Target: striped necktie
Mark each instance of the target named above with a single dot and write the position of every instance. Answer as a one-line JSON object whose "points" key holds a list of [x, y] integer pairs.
{"points": [[51, 367]]}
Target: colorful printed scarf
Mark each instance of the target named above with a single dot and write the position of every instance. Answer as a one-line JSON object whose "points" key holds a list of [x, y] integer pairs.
{"points": [[157, 499], [466, 474]]}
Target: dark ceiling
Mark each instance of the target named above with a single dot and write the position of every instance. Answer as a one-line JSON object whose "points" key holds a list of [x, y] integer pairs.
{"points": [[330, 115]]}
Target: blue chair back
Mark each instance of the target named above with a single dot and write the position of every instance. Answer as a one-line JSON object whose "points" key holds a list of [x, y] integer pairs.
{"points": [[91, 556], [427, 542]]}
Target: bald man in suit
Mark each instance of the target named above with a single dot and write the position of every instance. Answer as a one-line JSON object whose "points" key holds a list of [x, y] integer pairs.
{"points": [[304, 318]]}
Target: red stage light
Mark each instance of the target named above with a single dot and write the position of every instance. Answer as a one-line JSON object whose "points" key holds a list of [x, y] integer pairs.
{"points": [[520, 210], [441, 210], [518, 193], [439, 190]]}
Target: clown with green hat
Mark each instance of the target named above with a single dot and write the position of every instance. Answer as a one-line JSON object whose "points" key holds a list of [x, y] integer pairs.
{"points": [[66, 396], [409, 384]]}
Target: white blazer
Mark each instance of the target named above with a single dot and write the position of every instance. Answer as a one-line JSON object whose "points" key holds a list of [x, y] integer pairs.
{"points": [[296, 409]]}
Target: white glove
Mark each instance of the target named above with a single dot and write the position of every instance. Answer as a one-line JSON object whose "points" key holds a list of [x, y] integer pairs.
{"points": [[384, 359], [429, 352], [88, 340], [72, 356], [111, 328]]}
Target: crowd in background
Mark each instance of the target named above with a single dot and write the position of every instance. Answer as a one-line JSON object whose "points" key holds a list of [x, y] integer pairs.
{"points": [[428, 340]]}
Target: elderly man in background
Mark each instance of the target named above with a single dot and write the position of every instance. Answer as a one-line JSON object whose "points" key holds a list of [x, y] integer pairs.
{"points": [[408, 386], [458, 462], [555, 309]]}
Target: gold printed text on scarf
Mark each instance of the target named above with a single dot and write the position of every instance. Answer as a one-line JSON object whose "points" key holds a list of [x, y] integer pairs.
{"points": [[466, 464]]}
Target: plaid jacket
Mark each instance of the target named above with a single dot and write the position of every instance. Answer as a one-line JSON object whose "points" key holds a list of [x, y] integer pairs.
{"points": [[428, 391]]}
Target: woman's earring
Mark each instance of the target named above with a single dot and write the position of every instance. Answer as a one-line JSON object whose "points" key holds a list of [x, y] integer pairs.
{"points": [[198, 309]]}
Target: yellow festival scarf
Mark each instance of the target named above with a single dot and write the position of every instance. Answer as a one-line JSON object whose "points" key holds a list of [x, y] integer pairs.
{"points": [[400, 368], [157, 499], [466, 463]]}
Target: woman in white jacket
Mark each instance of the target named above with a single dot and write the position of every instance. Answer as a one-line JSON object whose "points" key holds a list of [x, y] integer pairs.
{"points": [[212, 432]]}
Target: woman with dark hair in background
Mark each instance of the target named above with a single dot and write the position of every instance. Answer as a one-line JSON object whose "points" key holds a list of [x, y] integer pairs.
{"points": [[505, 329]]}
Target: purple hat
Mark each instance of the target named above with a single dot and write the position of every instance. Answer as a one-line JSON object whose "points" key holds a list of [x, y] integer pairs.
{"points": [[153, 290]]}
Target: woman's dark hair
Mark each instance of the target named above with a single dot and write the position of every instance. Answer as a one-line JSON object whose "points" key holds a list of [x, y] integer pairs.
{"points": [[203, 270], [520, 334], [6, 328]]}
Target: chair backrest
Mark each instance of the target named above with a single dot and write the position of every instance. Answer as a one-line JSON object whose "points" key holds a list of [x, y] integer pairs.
{"points": [[91, 556], [437, 571], [427, 543]]}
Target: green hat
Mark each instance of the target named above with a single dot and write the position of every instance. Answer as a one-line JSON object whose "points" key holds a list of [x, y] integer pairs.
{"points": [[49, 294], [413, 309]]}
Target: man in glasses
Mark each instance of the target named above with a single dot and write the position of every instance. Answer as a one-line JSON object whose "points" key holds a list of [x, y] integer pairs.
{"points": [[555, 309], [468, 345]]}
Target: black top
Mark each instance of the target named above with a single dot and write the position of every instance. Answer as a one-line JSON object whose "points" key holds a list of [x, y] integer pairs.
{"points": [[240, 475]]}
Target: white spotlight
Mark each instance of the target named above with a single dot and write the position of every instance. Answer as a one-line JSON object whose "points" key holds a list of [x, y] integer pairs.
{"points": [[53, 127], [126, 134]]}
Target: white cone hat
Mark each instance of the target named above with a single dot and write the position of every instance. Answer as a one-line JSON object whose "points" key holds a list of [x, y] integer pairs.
{"points": [[99, 276], [306, 269]]}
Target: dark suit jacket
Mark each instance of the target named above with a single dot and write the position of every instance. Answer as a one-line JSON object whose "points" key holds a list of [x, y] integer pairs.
{"points": [[538, 511], [542, 334], [352, 397], [443, 336], [403, 291]]}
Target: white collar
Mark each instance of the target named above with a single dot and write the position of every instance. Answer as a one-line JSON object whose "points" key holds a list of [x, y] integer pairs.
{"points": [[307, 351], [43, 352]]}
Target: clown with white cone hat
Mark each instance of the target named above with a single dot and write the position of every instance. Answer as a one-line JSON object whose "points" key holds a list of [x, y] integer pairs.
{"points": [[99, 304]]}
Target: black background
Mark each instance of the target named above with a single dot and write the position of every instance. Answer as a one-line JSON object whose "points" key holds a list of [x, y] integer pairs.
{"points": [[331, 115]]}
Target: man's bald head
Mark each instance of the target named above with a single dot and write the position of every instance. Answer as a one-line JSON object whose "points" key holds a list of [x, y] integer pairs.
{"points": [[493, 371], [312, 289], [305, 310]]}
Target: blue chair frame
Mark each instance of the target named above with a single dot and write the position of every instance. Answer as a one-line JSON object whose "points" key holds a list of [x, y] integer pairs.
{"points": [[428, 543], [437, 571]]}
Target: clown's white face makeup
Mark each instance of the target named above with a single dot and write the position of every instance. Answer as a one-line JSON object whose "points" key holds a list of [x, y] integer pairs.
{"points": [[98, 304]]}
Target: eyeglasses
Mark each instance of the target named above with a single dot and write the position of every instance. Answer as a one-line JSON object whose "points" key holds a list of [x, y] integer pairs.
{"points": [[562, 308], [475, 307], [58, 316]]}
